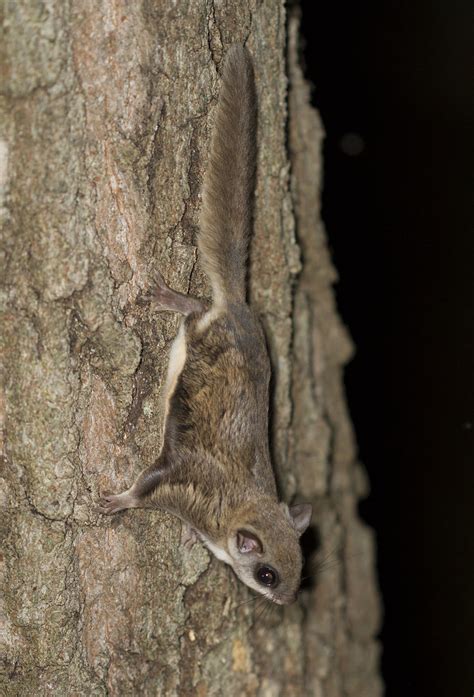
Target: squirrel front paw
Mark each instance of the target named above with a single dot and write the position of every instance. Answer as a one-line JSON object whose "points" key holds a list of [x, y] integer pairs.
{"points": [[189, 536]]}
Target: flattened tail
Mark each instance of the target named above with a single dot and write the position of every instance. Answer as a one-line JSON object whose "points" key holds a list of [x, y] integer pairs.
{"points": [[229, 183]]}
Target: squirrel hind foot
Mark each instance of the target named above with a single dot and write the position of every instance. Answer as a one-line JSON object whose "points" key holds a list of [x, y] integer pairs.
{"points": [[113, 503], [163, 298]]}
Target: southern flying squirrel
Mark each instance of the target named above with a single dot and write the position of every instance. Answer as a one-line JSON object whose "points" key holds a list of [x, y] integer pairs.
{"points": [[214, 470]]}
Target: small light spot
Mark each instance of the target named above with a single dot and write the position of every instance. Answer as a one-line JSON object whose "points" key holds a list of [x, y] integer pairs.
{"points": [[191, 635], [226, 609], [352, 144]]}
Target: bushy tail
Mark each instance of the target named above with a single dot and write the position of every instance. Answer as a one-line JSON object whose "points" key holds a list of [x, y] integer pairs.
{"points": [[229, 183]]}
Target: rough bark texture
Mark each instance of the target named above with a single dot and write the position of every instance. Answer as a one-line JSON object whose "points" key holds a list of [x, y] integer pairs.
{"points": [[106, 115]]}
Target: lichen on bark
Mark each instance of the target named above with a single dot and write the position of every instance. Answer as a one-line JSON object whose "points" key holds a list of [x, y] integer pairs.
{"points": [[106, 115]]}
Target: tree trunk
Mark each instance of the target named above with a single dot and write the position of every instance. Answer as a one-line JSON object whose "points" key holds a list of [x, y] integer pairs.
{"points": [[106, 119]]}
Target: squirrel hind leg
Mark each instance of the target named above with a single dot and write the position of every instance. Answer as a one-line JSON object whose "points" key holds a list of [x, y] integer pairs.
{"points": [[163, 298]]}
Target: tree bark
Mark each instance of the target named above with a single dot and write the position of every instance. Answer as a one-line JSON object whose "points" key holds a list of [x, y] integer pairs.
{"points": [[106, 117]]}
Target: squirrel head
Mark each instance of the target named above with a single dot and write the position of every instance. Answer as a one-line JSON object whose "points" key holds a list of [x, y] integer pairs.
{"points": [[264, 550]]}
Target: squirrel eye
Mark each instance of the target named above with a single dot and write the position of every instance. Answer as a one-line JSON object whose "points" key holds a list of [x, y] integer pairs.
{"points": [[267, 576]]}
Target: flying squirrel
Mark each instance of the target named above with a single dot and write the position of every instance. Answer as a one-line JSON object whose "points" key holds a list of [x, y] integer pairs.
{"points": [[214, 470]]}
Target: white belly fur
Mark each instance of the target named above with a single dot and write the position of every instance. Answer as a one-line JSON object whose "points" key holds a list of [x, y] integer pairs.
{"points": [[177, 357], [218, 552], [208, 318], [175, 365]]}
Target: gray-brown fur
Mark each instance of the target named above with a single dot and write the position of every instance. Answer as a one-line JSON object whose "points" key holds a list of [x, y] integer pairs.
{"points": [[227, 360], [214, 471], [228, 191]]}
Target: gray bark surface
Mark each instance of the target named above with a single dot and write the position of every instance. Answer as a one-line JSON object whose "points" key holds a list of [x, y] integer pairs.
{"points": [[106, 113]]}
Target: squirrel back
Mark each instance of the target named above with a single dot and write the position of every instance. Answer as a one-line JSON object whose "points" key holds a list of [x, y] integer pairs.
{"points": [[229, 183]]}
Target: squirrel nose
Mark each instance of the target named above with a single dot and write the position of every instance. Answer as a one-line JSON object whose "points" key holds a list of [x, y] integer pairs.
{"points": [[286, 599]]}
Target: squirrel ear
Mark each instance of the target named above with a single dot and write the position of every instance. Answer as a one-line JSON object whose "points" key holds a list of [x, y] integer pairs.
{"points": [[301, 516], [248, 542]]}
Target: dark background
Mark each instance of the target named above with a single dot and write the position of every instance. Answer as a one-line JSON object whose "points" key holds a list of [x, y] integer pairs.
{"points": [[399, 219]]}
